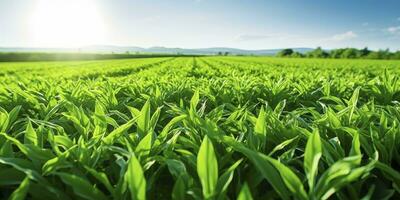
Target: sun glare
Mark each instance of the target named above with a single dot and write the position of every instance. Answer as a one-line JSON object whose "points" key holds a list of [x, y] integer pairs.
{"points": [[66, 23]]}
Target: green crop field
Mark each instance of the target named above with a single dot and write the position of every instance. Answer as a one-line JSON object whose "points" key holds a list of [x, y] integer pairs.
{"points": [[200, 128]]}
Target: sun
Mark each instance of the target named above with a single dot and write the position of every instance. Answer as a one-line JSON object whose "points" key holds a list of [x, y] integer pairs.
{"points": [[66, 23]]}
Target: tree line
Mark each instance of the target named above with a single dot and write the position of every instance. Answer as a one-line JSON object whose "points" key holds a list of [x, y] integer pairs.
{"points": [[341, 53]]}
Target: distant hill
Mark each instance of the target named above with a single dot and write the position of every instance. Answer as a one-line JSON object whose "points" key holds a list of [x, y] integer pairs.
{"points": [[166, 50]]}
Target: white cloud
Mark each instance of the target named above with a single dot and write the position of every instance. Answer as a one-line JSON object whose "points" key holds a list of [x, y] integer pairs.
{"points": [[393, 29], [345, 36]]}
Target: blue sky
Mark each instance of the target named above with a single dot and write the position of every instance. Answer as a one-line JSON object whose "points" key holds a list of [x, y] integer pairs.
{"points": [[252, 24]]}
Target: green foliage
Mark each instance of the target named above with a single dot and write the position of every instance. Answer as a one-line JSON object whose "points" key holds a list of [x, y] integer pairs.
{"points": [[346, 53], [201, 128], [207, 168], [285, 53]]}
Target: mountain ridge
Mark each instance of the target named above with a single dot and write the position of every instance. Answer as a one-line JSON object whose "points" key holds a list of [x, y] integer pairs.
{"points": [[154, 49]]}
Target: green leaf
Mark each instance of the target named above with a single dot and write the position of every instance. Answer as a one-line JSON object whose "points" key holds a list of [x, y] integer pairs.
{"points": [[13, 115], [135, 179], [353, 103], [170, 124], [195, 100], [27, 167], [30, 135], [81, 187], [355, 148], [176, 167], [282, 145], [226, 178], [312, 154], [391, 173], [21, 191], [282, 179], [143, 121], [31, 151], [10, 176], [207, 168], [245, 193], [144, 146], [340, 174], [115, 134], [154, 119], [57, 162], [179, 189], [260, 129], [102, 177], [7, 150]]}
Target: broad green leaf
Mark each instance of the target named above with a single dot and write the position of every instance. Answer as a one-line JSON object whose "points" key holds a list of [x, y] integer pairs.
{"points": [[57, 163], [207, 168], [176, 167], [154, 119], [353, 103], [115, 134], [260, 127], [7, 150], [195, 100], [134, 177], [312, 154], [226, 178], [245, 193], [144, 146], [102, 177], [27, 167], [31, 151], [391, 173], [10, 176], [13, 115], [179, 189], [30, 135], [282, 145], [282, 179], [170, 124], [81, 187], [21, 192], [340, 173], [260, 130], [355, 148], [143, 121]]}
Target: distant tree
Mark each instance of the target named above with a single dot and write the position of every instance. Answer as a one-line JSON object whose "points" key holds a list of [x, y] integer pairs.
{"points": [[364, 52], [350, 53], [226, 53], [318, 53], [297, 55], [127, 52], [396, 55], [219, 53], [381, 54], [285, 53], [336, 53]]}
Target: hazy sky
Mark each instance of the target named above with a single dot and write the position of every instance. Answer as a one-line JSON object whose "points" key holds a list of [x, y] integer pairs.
{"points": [[251, 24]]}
